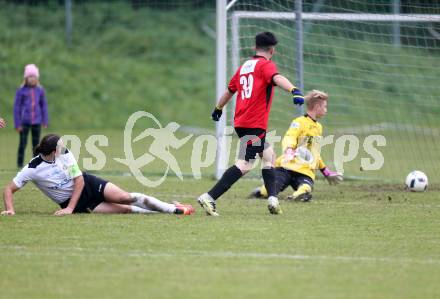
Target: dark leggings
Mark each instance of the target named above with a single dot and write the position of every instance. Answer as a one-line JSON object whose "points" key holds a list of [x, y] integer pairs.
{"points": [[36, 130]]}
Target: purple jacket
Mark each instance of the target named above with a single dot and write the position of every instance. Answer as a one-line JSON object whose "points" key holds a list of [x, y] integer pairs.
{"points": [[30, 107]]}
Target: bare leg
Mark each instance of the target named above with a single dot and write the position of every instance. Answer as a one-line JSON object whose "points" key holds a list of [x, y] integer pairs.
{"points": [[117, 200], [114, 194], [244, 166], [112, 208], [135, 202], [268, 158]]}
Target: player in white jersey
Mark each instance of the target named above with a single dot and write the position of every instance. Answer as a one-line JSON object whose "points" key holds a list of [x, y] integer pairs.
{"points": [[55, 172]]}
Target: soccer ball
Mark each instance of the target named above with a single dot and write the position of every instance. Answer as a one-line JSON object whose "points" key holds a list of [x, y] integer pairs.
{"points": [[416, 181]]}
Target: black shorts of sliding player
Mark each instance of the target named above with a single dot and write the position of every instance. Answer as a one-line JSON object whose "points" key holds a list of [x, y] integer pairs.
{"points": [[230, 176], [252, 142], [91, 196]]}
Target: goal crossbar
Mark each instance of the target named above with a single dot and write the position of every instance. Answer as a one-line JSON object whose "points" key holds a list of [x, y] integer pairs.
{"points": [[352, 17]]}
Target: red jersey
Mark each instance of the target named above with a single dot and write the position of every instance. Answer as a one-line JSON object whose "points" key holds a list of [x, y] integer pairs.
{"points": [[254, 84]]}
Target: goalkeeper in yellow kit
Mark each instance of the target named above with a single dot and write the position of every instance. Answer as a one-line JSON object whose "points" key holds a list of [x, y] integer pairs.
{"points": [[301, 152]]}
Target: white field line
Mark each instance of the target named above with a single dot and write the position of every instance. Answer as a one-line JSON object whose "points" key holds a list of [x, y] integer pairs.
{"points": [[101, 252]]}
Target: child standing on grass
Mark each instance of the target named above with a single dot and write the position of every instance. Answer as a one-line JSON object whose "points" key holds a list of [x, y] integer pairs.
{"points": [[30, 110]]}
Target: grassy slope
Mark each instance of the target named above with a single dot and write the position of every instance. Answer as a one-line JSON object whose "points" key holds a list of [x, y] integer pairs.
{"points": [[356, 240], [124, 60], [121, 61]]}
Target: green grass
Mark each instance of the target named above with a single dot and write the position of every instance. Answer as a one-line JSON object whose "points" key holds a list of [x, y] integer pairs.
{"points": [[396, 154], [124, 60], [352, 241], [358, 240], [362, 239]]}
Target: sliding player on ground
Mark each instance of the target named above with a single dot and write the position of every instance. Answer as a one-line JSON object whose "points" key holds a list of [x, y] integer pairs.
{"points": [[301, 153], [55, 172], [254, 84]]}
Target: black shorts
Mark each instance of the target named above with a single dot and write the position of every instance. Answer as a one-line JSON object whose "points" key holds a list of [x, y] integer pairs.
{"points": [[252, 142], [285, 178], [91, 196]]}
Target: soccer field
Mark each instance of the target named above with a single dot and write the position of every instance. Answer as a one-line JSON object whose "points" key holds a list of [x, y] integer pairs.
{"points": [[357, 240], [366, 238]]}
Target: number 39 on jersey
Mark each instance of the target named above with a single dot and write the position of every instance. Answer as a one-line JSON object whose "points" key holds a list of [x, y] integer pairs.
{"points": [[246, 82], [247, 79]]}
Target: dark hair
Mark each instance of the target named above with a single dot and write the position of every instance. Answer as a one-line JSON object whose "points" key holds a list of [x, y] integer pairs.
{"points": [[47, 145], [265, 40]]}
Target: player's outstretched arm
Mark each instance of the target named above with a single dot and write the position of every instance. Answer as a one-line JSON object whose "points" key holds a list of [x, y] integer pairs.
{"points": [[218, 110], [78, 186], [284, 83], [8, 198]]}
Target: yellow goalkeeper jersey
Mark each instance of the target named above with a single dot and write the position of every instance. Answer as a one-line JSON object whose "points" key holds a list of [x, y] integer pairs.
{"points": [[304, 136]]}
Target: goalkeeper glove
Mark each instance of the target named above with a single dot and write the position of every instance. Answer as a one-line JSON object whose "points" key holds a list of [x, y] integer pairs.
{"points": [[332, 177], [298, 97], [289, 155], [216, 114]]}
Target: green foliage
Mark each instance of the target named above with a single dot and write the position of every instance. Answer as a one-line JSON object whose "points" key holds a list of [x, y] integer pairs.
{"points": [[122, 60]]}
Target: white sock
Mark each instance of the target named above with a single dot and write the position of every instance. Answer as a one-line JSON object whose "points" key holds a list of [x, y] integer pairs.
{"points": [[137, 210], [151, 203], [206, 196], [273, 200]]}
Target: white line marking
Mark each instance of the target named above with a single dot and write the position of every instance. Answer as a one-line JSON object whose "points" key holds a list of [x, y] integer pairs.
{"points": [[88, 252]]}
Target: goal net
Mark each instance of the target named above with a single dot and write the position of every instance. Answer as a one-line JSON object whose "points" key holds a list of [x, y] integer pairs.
{"points": [[380, 64]]}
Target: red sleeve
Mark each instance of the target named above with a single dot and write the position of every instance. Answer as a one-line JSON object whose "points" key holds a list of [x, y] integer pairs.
{"points": [[233, 83], [269, 70]]}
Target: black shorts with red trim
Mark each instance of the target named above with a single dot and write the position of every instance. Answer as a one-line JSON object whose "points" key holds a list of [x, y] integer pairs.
{"points": [[91, 196], [252, 142]]}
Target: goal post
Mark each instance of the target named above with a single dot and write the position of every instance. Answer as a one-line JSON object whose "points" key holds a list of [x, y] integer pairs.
{"points": [[221, 67]]}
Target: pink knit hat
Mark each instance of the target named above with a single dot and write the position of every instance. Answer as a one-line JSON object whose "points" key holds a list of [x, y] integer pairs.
{"points": [[31, 70]]}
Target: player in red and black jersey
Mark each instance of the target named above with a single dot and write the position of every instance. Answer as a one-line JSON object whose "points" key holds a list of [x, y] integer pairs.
{"points": [[254, 84]]}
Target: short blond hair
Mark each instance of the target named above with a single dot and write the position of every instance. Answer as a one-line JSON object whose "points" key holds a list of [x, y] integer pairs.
{"points": [[314, 97]]}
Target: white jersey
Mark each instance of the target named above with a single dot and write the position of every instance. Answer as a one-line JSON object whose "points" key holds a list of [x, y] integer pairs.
{"points": [[53, 178]]}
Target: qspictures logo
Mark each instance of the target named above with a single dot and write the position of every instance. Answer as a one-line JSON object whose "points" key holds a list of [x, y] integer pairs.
{"points": [[164, 139], [204, 149]]}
